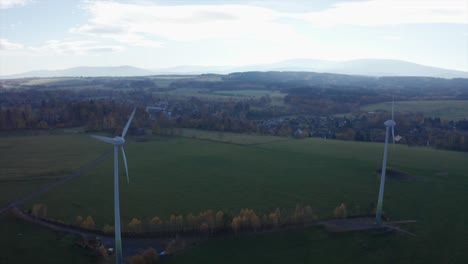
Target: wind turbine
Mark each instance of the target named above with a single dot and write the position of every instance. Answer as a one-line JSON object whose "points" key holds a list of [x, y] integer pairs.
{"points": [[118, 142], [388, 124]]}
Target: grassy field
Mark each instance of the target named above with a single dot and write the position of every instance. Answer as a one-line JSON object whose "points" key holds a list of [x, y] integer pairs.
{"points": [[225, 95], [182, 175], [183, 93], [250, 93], [227, 137], [449, 110], [29, 162], [26, 243]]}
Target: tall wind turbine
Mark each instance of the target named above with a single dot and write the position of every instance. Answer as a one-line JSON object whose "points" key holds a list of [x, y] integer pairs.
{"points": [[388, 124], [118, 142]]}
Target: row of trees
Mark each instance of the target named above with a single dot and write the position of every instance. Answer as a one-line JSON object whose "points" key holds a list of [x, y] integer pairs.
{"points": [[209, 222]]}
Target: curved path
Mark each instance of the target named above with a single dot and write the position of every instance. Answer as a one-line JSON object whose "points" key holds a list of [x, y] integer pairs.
{"points": [[132, 245]]}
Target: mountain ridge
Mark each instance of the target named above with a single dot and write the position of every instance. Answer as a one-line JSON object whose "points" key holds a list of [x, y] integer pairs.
{"points": [[365, 67]]}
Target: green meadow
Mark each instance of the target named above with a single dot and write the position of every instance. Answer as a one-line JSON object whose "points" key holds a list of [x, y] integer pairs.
{"points": [[449, 110], [209, 170]]}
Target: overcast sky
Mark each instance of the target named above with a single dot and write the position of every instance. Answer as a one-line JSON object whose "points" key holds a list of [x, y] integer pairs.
{"points": [[55, 34]]}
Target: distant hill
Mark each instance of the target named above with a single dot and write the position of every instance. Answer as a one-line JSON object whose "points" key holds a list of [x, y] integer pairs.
{"points": [[366, 67], [369, 67], [118, 71], [194, 69], [374, 67]]}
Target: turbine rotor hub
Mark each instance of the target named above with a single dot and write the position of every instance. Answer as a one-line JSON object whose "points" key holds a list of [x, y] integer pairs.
{"points": [[119, 141]]}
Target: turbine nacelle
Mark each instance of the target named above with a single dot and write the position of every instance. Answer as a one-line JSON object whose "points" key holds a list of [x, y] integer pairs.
{"points": [[390, 123], [119, 141]]}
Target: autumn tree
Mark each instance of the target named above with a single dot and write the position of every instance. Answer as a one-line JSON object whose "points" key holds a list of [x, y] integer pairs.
{"points": [[150, 256], [79, 220], [340, 211], [204, 228], [309, 214], [156, 223], [236, 223], [137, 259], [298, 216], [255, 222], [102, 253], [274, 220], [88, 223], [219, 219], [108, 229], [39, 210], [174, 246], [134, 225]]}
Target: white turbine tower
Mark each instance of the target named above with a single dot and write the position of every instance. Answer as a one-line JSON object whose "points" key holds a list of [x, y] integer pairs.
{"points": [[118, 142], [388, 124]]}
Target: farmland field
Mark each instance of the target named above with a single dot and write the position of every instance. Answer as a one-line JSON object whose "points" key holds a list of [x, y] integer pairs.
{"points": [[449, 110], [224, 95], [250, 93], [172, 175]]}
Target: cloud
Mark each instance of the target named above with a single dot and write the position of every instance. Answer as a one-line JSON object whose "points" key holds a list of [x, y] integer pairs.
{"points": [[390, 12], [5, 44], [59, 47], [116, 33], [76, 47], [5, 4], [152, 24]]}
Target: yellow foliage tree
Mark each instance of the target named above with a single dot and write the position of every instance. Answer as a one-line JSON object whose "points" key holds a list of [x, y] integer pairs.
{"points": [[134, 225], [236, 223], [264, 220], [137, 259], [171, 247], [255, 222], [79, 220], [219, 219], [150, 256], [340, 211], [108, 229], [191, 221], [102, 252], [274, 219], [180, 221], [39, 210], [298, 216], [88, 223], [309, 214], [156, 221]]}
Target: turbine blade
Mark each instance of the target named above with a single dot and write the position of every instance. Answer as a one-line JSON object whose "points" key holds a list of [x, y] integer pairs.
{"points": [[125, 163], [105, 139], [124, 132]]}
